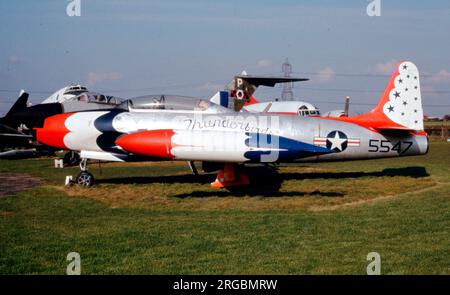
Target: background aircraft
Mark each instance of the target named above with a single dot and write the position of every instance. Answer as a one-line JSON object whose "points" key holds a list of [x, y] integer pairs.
{"points": [[296, 107], [11, 136], [68, 99], [17, 126], [241, 90]]}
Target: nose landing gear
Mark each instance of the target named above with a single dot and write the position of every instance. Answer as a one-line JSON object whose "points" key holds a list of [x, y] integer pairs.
{"points": [[84, 178]]}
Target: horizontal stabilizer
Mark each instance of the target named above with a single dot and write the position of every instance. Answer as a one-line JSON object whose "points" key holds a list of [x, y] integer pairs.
{"points": [[243, 87], [268, 81]]}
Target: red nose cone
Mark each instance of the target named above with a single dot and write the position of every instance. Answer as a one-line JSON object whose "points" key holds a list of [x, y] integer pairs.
{"points": [[54, 130], [155, 143]]}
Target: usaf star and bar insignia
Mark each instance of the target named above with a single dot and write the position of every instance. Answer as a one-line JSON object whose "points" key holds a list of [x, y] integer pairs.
{"points": [[336, 141]]}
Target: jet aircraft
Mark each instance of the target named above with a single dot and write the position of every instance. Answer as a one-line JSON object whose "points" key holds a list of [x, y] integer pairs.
{"points": [[188, 129]]}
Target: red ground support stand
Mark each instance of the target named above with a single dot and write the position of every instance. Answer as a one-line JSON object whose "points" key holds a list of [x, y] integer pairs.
{"points": [[230, 176]]}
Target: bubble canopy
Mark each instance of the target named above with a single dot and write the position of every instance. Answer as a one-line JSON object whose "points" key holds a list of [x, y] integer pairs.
{"points": [[172, 103]]}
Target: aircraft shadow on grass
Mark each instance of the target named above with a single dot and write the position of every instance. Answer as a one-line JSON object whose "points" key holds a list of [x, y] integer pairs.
{"points": [[255, 192], [413, 172], [267, 181]]}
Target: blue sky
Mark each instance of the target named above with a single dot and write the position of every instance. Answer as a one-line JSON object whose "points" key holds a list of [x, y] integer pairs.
{"points": [[131, 48]]}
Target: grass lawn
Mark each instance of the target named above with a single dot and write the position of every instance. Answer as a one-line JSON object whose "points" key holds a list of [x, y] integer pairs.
{"points": [[158, 219]]}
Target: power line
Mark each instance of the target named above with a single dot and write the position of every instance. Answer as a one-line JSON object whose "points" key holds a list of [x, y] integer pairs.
{"points": [[152, 88], [173, 86], [365, 75], [17, 91], [197, 85], [344, 74], [366, 90], [374, 104], [329, 102]]}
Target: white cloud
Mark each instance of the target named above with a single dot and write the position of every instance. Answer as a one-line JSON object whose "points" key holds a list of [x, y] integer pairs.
{"points": [[426, 87], [440, 77], [386, 68], [14, 59], [264, 63], [325, 74], [211, 86], [94, 77]]}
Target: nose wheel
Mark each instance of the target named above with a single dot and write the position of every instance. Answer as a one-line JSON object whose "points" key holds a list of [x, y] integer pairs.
{"points": [[84, 178]]}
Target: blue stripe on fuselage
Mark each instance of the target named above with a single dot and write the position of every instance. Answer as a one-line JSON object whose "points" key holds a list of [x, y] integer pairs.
{"points": [[288, 149], [107, 140]]}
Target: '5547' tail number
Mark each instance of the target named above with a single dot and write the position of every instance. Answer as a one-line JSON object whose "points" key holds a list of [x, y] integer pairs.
{"points": [[385, 146]]}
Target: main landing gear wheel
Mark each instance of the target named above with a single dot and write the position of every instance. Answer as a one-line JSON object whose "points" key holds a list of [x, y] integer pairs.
{"points": [[85, 179]]}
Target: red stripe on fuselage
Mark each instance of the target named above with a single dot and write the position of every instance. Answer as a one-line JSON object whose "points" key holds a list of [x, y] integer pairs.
{"points": [[154, 143], [54, 131]]}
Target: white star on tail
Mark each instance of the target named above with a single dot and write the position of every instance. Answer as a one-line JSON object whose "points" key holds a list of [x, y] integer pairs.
{"points": [[336, 142]]}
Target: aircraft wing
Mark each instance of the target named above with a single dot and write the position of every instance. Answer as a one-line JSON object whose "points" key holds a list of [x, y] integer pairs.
{"points": [[6, 131], [10, 137]]}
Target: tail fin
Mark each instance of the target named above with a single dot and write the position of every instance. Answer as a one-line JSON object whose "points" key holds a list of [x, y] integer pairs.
{"points": [[220, 98], [400, 105], [20, 104], [401, 101]]}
